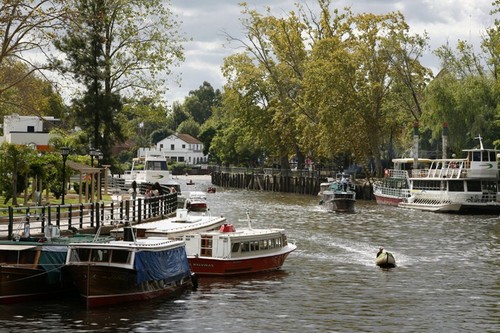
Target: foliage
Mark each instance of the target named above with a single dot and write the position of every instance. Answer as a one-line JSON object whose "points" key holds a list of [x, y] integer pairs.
{"points": [[114, 49]]}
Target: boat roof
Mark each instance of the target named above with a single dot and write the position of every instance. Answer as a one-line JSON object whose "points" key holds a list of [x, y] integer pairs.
{"points": [[173, 224], [15, 247], [411, 160], [244, 232], [149, 243]]}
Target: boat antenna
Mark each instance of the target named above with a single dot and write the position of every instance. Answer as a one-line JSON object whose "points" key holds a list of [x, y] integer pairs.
{"points": [[480, 141], [249, 220]]}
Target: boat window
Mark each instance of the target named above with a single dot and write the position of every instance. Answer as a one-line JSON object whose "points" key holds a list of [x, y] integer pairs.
{"points": [[474, 186], [456, 186], [80, 255], [206, 247], [489, 186], [485, 156], [493, 156], [100, 255], [156, 165], [120, 256], [254, 246], [236, 248], [476, 156], [17, 257], [245, 247]]}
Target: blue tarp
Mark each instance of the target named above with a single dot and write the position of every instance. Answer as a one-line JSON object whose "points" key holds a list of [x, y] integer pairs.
{"points": [[169, 265]]}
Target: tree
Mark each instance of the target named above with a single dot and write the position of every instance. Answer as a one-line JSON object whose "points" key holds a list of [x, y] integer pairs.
{"points": [[116, 49], [465, 94], [26, 27], [200, 102]]}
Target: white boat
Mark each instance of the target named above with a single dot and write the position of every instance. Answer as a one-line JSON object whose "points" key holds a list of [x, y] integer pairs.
{"points": [[149, 169], [184, 222], [385, 259], [128, 270], [339, 195], [231, 251], [450, 185], [196, 202]]}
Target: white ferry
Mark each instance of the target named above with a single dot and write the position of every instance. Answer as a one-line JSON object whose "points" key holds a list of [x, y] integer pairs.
{"points": [[468, 185]]}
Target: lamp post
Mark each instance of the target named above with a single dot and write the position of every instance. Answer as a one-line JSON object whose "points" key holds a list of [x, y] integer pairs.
{"points": [[92, 153], [64, 154], [100, 156]]}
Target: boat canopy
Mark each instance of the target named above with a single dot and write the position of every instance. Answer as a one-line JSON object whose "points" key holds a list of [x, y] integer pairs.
{"points": [[169, 265]]}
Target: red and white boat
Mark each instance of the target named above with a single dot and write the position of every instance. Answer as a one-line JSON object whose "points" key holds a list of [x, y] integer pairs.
{"points": [[228, 251], [196, 202]]}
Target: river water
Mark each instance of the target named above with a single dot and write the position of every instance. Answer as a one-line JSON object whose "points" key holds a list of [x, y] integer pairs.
{"points": [[447, 279]]}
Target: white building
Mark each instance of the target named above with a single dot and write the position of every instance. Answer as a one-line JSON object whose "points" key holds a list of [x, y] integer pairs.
{"points": [[28, 130], [182, 148]]}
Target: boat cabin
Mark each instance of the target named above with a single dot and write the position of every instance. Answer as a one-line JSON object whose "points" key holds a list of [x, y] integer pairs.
{"points": [[229, 243]]}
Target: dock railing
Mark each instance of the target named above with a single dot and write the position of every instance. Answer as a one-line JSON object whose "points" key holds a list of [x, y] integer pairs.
{"points": [[14, 220]]}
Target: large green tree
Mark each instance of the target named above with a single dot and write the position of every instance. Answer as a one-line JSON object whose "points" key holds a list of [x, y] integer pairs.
{"points": [[117, 48]]}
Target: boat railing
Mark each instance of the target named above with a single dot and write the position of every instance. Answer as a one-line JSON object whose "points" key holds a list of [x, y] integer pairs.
{"points": [[391, 191]]}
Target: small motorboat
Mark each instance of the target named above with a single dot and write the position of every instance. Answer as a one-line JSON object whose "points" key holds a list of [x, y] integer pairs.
{"points": [[385, 259], [190, 182], [211, 189]]}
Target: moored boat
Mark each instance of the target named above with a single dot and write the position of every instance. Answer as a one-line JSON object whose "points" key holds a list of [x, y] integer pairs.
{"points": [[230, 251], [132, 269], [183, 222], [468, 185], [385, 260], [30, 267], [339, 195], [149, 169]]}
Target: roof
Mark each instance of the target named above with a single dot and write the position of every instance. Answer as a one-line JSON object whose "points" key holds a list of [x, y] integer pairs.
{"points": [[187, 138], [82, 167]]}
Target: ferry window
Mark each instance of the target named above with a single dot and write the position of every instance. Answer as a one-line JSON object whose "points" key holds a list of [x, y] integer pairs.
{"points": [[456, 186], [489, 186], [245, 247], [485, 156], [236, 247], [120, 256], [476, 156], [474, 186]]}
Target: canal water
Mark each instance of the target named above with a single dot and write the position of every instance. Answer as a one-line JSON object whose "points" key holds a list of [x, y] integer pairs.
{"points": [[447, 278]]}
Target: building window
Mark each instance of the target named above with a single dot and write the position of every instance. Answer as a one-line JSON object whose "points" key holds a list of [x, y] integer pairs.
{"points": [[161, 145], [172, 147], [181, 158], [183, 146]]}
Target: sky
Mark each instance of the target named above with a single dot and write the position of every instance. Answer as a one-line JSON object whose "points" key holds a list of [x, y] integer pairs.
{"points": [[205, 21]]}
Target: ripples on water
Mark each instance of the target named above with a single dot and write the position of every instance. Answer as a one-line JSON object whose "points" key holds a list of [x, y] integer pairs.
{"points": [[446, 279]]}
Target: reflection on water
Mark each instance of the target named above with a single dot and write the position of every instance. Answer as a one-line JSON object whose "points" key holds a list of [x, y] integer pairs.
{"points": [[446, 279]]}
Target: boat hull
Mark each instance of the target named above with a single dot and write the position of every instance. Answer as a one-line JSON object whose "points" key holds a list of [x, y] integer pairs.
{"points": [[343, 205], [102, 286], [205, 266], [387, 200], [385, 260], [23, 284]]}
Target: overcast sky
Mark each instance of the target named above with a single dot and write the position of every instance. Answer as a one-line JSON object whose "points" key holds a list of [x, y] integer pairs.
{"points": [[204, 21]]}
